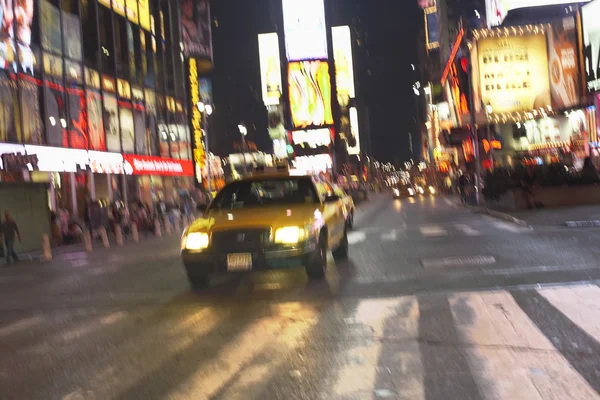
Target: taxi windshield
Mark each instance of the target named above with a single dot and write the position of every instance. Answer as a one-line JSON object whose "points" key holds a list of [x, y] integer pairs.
{"points": [[267, 192]]}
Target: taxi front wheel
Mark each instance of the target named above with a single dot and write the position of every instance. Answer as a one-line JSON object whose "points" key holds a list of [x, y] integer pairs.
{"points": [[341, 253], [316, 268]]}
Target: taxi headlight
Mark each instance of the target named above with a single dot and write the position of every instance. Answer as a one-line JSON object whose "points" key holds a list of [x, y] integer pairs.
{"points": [[289, 235], [196, 241]]}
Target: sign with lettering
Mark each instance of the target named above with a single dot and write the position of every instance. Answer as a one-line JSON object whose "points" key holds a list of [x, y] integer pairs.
{"points": [[147, 165]]}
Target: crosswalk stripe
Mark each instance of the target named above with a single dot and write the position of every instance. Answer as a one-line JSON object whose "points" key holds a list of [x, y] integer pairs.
{"points": [[390, 236], [467, 230], [433, 231]]}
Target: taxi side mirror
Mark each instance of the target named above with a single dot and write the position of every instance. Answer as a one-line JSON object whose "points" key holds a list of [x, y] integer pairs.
{"points": [[332, 199]]}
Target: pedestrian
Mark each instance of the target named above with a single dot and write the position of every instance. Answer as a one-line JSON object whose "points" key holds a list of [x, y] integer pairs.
{"points": [[528, 183], [10, 232], [589, 173], [462, 185]]}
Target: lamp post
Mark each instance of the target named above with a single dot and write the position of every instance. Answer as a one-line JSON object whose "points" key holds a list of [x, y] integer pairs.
{"points": [[243, 132], [206, 110]]}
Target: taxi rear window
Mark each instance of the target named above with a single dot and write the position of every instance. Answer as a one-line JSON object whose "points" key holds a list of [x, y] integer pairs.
{"points": [[243, 194]]}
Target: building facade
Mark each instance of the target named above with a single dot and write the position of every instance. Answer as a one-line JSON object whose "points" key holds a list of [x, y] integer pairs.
{"points": [[94, 98]]}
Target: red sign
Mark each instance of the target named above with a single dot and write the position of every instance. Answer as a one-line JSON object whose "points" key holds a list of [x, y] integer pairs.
{"points": [[145, 165]]}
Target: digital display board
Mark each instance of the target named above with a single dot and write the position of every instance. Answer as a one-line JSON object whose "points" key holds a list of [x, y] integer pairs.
{"points": [[305, 29], [496, 10], [310, 93], [513, 73], [342, 54], [270, 68]]}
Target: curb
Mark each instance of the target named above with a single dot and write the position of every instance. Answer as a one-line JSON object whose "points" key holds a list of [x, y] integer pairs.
{"points": [[496, 214]]}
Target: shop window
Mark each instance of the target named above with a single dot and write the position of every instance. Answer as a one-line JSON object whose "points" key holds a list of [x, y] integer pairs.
{"points": [[127, 126], [111, 121], [107, 40], [91, 41], [97, 139], [56, 113], [9, 115], [151, 122], [51, 32], [31, 93]]}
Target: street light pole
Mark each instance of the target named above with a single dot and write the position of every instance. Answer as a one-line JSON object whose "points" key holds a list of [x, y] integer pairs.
{"points": [[475, 134], [488, 111]]}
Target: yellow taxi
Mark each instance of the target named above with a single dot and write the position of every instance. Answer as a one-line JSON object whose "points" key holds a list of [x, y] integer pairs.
{"points": [[266, 222]]}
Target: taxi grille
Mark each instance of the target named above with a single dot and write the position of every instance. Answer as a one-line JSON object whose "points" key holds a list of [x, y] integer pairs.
{"points": [[240, 241]]}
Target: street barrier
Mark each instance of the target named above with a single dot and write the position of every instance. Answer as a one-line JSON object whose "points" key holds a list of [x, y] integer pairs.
{"points": [[104, 237], [135, 234], [46, 249], [119, 235], [87, 241]]}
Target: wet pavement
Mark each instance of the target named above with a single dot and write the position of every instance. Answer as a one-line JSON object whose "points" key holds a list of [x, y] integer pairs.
{"points": [[435, 302]]}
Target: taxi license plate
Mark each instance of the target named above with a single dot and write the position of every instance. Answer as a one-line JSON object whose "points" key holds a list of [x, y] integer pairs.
{"points": [[239, 262]]}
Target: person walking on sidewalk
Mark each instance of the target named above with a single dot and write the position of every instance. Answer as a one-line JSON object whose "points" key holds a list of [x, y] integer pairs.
{"points": [[10, 232]]}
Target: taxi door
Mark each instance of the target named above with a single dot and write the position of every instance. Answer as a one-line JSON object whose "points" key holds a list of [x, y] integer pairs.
{"points": [[333, 214]]}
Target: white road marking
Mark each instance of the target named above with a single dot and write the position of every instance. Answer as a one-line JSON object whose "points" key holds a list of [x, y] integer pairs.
{"points": [[457, 261], [433, 231], [20, 325], [356, 237], [450, 202], [390, 236], [510, 227], [467, 230]]}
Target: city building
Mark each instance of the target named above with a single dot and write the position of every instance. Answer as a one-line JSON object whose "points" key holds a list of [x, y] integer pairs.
{"points": [[95, 98]]}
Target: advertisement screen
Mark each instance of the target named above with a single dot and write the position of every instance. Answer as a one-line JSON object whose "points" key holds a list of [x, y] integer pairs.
{"points": [[78, 133], [111, 121], [496, 10], [591, 42], [310, 93], [562, 61], [270, 68], [305, 29], [127, 128], [513, 73], [432, 26], [196, 32], [97, 140], [354, 150], [344, 68], [72, 35], [137, 12], [30, 106], [51, 36]]}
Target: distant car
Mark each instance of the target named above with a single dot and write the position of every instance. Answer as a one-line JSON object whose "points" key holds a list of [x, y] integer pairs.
{"points": [[425, 190], [404, 190]]}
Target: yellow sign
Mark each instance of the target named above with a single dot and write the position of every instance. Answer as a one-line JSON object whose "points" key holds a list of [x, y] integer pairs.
{"points": [[137, 12], [199, 153], [513, 73]]}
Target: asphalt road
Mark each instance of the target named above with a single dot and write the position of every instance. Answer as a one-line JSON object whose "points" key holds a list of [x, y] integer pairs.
{"points": [[434, 303]]}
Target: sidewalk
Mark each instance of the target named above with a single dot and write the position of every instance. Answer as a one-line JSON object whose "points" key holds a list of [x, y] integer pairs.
{"points": [[585, 215]]}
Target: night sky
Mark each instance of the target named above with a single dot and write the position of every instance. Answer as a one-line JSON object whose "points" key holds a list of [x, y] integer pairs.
{"points": [[388, 31]]}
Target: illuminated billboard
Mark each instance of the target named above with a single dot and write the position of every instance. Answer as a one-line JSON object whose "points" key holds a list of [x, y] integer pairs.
{"points": [[355, 150], [196, 30], [591, 42], [342, 54], [305, 29], [496, 10], [137, 12], [270, 68], [310, 93], [562, 61], [432, 32], [513, 73]]}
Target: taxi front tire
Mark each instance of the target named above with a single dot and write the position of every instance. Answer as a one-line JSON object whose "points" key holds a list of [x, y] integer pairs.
{"points": [[341, 253], [317, 267]]}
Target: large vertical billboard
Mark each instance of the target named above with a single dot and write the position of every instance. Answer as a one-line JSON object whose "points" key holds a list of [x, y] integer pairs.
{"points": [[354, 128], [310, 94], [590, 18], [562, 61], [344, 68], [196, 31], [513, 73], [305, 29], [270, 68]]}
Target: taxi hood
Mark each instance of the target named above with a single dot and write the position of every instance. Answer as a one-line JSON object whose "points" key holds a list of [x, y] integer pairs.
{"points": [[256, 217]]}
